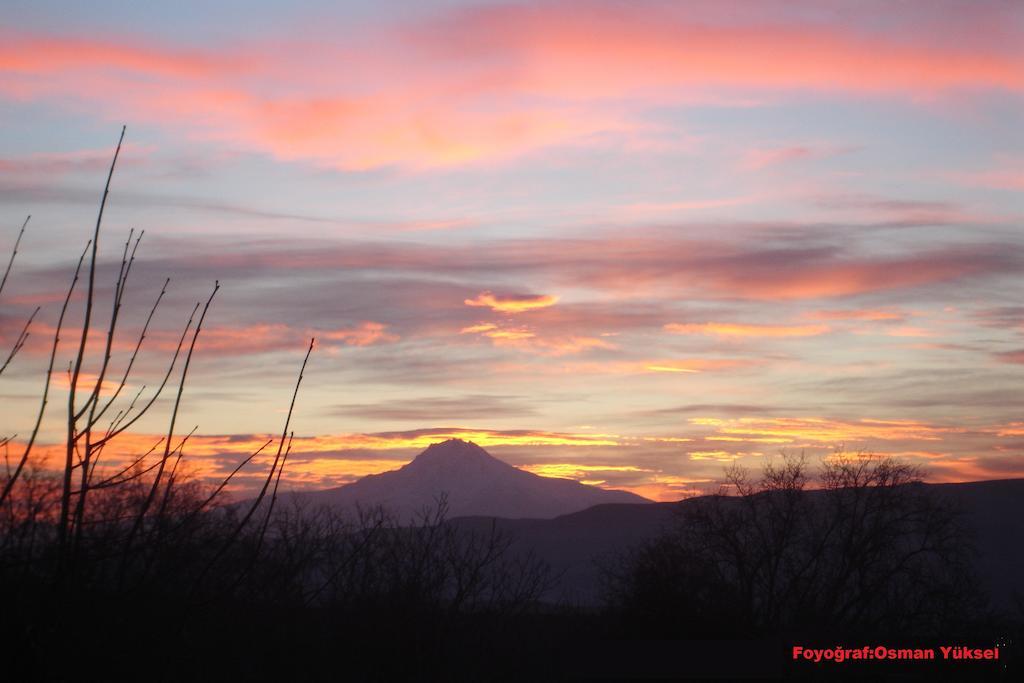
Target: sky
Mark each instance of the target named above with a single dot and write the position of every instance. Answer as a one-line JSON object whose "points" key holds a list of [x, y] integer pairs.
{"points": [[628, 243]]}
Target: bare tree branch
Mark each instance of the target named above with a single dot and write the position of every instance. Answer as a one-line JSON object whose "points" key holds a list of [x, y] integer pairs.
{"points": [[144, 509], [14, 252], [131, 361], [266, 482], [20, 341], [46, 387], [65, 503]]}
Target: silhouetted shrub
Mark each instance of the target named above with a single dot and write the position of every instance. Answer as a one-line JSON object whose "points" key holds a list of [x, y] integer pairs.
{"points": [[110, 568], [872, 551]]}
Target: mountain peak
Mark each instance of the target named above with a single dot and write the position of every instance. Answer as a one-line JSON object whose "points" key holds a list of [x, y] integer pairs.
{"points": [[456, 455], [453, 448], [474, 483]]}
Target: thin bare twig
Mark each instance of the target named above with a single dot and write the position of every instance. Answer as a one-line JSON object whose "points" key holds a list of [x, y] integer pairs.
{"points": [[141, 516], [114, 478], [122, 279], [14, 252], [159, 390], [180, 451], [135, 353], [65, 501], [266, 482], [46, 387], [228, 479], [93, 400], [20, 341]]}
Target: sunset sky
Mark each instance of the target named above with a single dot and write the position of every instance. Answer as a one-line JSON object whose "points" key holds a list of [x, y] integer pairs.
{"points": [[627, 243]]}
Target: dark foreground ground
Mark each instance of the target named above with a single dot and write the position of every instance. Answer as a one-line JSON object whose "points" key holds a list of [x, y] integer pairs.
{"points": [[399, 635], [165, 643]]}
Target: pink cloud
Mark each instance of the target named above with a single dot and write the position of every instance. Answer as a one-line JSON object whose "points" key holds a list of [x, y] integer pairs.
{"points": [[86, 160], [757, 159], [910, 331], [1016, 357], [904, 212], [266, 337], [761, 158], [365, 334], [1009, 176], [482, 84], [608, 50], [43, 55], [845, 278], [654, 263]]}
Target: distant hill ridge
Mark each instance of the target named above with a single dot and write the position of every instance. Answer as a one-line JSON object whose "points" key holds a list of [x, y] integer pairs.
{"points": [[994, 513], [474, 482]]}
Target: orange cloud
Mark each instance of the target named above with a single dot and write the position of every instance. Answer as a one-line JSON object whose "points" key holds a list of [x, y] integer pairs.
{"points": [[846, 279], [512, 304], [524, 339], [819, 431], [577, 471], [239, 444], [322, 460], [670, 368], [332, 459], [478, 328], [561, 346], [686, 366], [910, 331], [967, 468], [856, 314], [86, 383], [315, 473], [509, 337], [424, 438], [747, 330], [720, 455], [693, 365], [668, 487], [365, 334], [1012, 429]]}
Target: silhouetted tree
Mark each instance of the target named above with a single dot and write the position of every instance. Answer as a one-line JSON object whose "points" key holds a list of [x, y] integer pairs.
{"points": [[145, 550], [870, 551]]}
